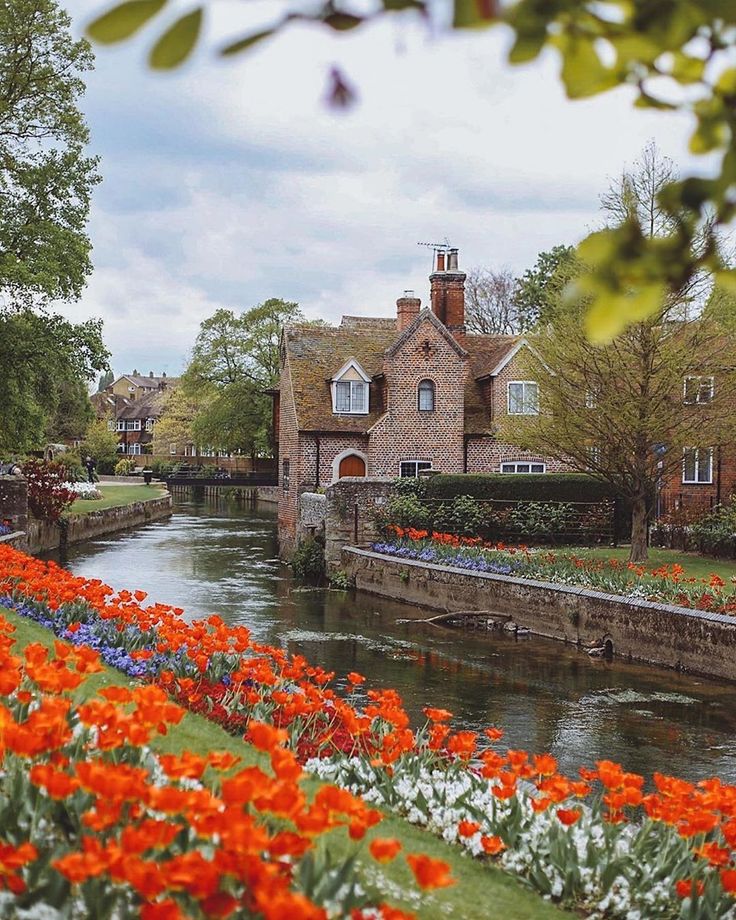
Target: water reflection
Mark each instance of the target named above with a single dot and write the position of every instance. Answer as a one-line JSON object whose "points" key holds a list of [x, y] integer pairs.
{"points": [[222, 558]]}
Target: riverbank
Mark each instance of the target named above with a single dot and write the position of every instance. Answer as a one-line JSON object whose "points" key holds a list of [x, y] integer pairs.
{"points": [[116, 512], [667, 636]]}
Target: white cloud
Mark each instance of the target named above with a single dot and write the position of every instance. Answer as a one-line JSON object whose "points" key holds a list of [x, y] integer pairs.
{"points": [[231, 183]]}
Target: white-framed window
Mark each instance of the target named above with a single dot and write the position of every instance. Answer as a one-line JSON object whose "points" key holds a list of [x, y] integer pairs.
{"points": [[111, 424], [120, 425], [133, 424], [351, 397], [591, 399], [409, 468], [149, 424], [523, 397], [523, 466], [134, 448], [425, 396], [594, 455], [697, 464], [172, 449], [698, 389]]}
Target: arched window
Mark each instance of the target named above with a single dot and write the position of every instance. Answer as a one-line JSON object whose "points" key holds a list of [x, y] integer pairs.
{"points": [[425, 396]]}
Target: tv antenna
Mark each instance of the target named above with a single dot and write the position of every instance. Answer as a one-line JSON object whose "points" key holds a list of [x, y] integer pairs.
{"points": [[438, 247]]}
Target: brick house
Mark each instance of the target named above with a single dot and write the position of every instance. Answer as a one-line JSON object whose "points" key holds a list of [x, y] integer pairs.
{"points": [[394, 396], [132, 405]]}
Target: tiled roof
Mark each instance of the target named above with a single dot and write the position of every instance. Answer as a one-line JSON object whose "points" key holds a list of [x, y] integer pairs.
{"points": [[148, 406], [316, 354], [148, 382]]}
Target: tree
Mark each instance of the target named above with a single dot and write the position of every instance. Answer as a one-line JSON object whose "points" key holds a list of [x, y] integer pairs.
{"points": [[101, 444], [625, 410], [174, 426], [654, 48], [539, 287], [45, 178], [234, 361], [105, 380], [45, 361], [73, 412], [490, 305]]}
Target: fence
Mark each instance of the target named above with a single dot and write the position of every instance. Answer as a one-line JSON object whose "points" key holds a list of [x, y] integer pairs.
{"points": [[541, 521]]}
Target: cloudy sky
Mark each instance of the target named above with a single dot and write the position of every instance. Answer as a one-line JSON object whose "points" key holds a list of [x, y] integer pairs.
{"points": [[228, 183]]}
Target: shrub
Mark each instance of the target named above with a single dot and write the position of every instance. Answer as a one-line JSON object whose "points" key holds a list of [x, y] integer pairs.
{"points": [[124, 467], [464, 517], [341, 580], [716, 532], [541, 519], [49, 494], [411, 485], [406, 510], [308, 562]]}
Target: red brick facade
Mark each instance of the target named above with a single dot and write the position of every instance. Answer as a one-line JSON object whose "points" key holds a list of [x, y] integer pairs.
{"points": [[470, 375]]}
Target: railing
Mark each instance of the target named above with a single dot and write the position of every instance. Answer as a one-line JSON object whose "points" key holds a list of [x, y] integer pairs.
{"points": [[222, 478]]}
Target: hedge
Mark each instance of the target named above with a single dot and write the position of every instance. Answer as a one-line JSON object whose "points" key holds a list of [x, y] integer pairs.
{"points": [[551, 487]]}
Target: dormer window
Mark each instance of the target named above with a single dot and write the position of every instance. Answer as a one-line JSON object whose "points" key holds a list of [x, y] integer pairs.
{"points": [[350, 393]]}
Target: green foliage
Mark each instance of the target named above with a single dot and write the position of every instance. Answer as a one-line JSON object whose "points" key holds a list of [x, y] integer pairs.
{"points": [[411, 485], [675, 56], [541, 519], [341, 580], [124, 466], [716, 532], [408, 511], [102, 445], [538, 289], [105, 380], [308, 561], [520, 487], [45, 360], [464, 517], [45, 178]]}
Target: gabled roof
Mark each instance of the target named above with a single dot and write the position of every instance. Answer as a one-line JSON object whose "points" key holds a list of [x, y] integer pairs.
{"points": [[148, 406], [427, 315]]}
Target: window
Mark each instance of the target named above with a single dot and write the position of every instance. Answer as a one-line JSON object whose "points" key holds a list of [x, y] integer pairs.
{"points": [[133, 424], [172, 449], [412, 467], [425, 396], [594, 455], [523, 397], [351, 396], [111, 425], [134, 448], [698, 389], [591, 399], [121, 425], [697, 464], [285, 475], [149, 424], [523, 466]]}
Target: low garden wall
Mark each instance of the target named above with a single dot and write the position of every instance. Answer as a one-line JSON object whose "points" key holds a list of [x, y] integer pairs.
{"points": [[674, 637], [42, 536]]}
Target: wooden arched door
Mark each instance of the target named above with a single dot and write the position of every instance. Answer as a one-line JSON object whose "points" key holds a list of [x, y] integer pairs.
{"points": [[352, 466]]}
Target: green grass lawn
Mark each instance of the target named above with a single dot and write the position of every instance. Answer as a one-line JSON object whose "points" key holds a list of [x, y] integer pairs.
{"points": [[482, 890], [695, 566], [115, 496]]}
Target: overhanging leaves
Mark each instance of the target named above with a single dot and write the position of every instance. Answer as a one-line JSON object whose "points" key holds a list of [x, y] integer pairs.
{"points": [[123, 20]]}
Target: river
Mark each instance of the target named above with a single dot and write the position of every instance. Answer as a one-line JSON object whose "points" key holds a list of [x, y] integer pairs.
{"points": [[222, 558]]}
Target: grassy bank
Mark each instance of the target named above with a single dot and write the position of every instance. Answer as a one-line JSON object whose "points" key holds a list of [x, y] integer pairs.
{"points": [[695, 566], [482, 890], [116, 497]]}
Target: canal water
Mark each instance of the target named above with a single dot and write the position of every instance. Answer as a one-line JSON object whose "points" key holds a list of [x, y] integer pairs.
{"points": [[222, 558]]}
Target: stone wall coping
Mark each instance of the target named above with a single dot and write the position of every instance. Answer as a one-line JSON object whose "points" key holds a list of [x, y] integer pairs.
{"points": [[314, 496], [13, 535], [553, 586]]}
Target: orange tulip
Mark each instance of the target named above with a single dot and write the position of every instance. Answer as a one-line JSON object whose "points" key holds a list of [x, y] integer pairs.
{"points": [[429, 873], [384, 849]]}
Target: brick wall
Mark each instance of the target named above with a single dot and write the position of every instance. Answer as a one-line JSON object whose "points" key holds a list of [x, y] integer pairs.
{"points": [[13, 502], [405, 433], [487, 454]]}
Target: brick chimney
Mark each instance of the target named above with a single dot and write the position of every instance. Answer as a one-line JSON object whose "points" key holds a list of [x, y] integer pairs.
{"points": [[447, 291], [407, 310]]}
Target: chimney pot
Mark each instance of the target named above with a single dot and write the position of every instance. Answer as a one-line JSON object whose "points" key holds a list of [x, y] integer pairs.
{"points": [[440, 261], [452, 260]]}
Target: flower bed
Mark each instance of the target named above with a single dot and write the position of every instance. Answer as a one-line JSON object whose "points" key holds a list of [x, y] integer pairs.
{"points": [[597, 841], [664, 584]]}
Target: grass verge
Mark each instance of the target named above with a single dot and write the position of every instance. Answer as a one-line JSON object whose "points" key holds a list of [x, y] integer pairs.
{"points": [[482, 889], [115, 497]]}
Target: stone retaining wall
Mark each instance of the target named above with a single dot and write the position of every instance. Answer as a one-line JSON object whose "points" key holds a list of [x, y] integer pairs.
{"points": [[673, 637], [13, 501], [42, 536], [350, 517]]}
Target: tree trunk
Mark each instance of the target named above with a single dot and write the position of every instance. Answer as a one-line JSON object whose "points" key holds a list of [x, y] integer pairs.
{"points": [[639, 549]]}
